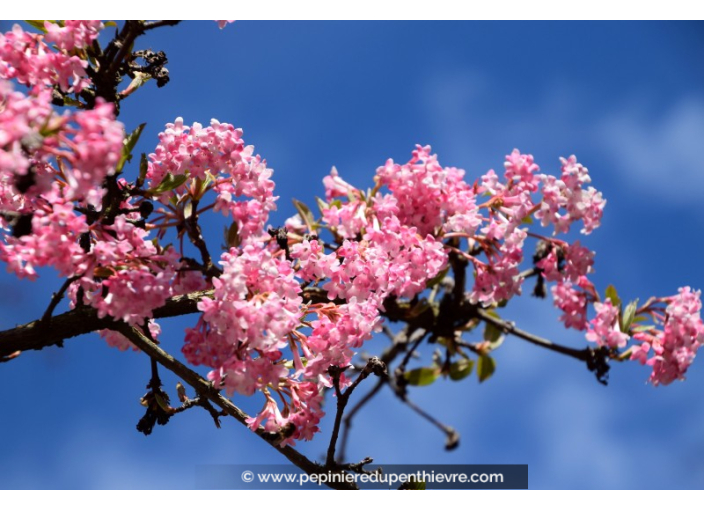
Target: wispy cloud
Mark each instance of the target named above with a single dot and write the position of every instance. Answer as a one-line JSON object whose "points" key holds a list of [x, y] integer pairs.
{"points": [[662, 157]]}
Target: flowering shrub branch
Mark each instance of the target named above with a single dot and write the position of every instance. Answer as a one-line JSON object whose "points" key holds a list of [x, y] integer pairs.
{"points": [[283, 312]]}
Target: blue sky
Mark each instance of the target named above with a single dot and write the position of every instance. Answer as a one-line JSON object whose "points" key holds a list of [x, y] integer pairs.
{"points": [[626, 98]]}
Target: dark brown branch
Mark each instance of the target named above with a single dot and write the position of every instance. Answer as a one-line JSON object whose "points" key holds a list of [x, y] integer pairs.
{"points": [[161, 23], [39, 334], [56, 298], [389, 355], [507, 327], [205, 388], [452, 436], [374, 366], [347, 422], [196, 236]]}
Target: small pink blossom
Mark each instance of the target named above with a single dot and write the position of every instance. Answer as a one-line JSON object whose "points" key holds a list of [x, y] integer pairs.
{"points": [[604, 329]]}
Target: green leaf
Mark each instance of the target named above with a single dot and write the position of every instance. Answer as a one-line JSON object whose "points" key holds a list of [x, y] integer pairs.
{"points": [[305, 214], [290, 365], [38, 24], [613, 296], [527, 220], [322, 204], [110, 24], [128, 144], [461, 369], [422, 376], [642, 329], [169, 182], [437, 278], [202, 184], [485, 367], [492, 334], [629, 315]]}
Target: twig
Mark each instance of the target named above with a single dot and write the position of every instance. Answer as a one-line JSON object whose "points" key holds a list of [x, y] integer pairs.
{"points": [[56, 297], [353, 412], [36, 336], [205, 388], [507, 327], [452, 436], [374, 366], [196, 236], [161, 23], [387, 357]]}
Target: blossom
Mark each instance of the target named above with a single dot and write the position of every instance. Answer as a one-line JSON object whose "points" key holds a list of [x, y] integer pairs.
{"points": [[566, 200], [673, 348], [604, 329]]}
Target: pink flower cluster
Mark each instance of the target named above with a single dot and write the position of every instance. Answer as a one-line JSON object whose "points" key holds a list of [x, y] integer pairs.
{"points": [[47, 162], [604, 329], [123, 273], [217, 153], [27, 58], [428, 196], [568, 194], [670, 350], [53, 240], [568, 265], [72, 34], [252, 317]]}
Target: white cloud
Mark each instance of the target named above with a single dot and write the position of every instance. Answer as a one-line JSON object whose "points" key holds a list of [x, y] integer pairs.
{"points": [[661, 157]]}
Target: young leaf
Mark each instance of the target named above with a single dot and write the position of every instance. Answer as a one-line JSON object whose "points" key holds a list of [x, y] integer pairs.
{"points": [[322, 204], [305, 214], [492, 334], [613, 295], [128, 144], [629, 315], [37, 23], [422, 376], [461, 369], [485, 367], [169, 182]]}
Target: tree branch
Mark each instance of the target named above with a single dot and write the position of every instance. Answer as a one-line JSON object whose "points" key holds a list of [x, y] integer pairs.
{"points": [[374, 366], [39, 334], [507, 327], [205, 388]]}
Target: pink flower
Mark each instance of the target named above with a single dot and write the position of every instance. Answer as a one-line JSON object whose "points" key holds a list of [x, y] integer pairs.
{"points": [[674, 348], [73, 33], [604, 328], [573, 304], [566, 200]]}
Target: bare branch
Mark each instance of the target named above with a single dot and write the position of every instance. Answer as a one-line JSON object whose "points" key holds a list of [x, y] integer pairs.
{"points": [[374, 366], [39, 334], [205, 388], [507, 327]]}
